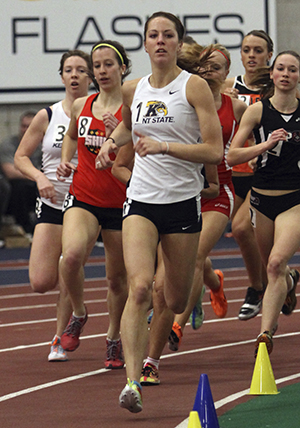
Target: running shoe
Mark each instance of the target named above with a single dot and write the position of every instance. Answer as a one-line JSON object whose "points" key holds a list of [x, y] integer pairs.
{"points": [[197, 315], [131, 397], [175, 337], [149, 375], [70, 337], [149, 318], [57, 352], [217, 298], [114, 354], [291, 299], [266, 337], [252, 304]]}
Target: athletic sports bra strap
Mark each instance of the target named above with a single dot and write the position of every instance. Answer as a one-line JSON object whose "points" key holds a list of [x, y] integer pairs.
{"points": [[49, 112]]}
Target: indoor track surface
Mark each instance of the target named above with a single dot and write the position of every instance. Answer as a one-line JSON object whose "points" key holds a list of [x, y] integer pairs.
{"points": [[82, 393]]}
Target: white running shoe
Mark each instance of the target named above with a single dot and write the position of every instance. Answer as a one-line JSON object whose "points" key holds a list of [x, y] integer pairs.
{"points": [[57, 353], [131, 397]]}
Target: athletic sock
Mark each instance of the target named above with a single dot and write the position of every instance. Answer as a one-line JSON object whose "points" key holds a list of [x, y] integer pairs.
{"points": [[152, 361]]}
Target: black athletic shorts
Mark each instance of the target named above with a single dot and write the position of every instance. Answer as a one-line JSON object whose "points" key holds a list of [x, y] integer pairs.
{"points": [[178, 217], [272, 206], [242, 185], [108, 218], [46, 214]]}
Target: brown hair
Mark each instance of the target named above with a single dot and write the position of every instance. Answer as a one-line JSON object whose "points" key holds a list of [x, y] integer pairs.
{"points": [[120, 53], [263, 35], [262, 77], [189, 57], [178, 25], [81, 54]]}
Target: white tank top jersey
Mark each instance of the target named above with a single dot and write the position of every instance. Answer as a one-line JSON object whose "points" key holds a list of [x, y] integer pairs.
{"points": [[165, 115], [51, 148]]}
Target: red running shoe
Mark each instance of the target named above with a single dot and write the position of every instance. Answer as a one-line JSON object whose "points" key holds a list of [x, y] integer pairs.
{"points": [[70, 337], [114, 354]]}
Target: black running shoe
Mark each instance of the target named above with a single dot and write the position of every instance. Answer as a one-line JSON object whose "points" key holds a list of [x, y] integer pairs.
{"points": [[291, 299], [252, 304]]}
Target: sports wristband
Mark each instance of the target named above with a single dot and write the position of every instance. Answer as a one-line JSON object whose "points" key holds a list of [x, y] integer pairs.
{"points": [[111, 138]]}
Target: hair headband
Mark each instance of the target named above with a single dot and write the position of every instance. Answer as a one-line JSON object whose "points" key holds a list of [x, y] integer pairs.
{"points": [[109, 46], [225, 56]]}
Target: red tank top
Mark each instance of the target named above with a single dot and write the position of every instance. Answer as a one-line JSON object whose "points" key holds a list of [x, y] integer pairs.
{"points": [[229, 125], [98, 188]]}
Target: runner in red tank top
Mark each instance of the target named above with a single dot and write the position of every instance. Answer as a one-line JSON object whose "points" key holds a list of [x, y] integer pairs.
{"points": [[216, 211], [94, 202]]}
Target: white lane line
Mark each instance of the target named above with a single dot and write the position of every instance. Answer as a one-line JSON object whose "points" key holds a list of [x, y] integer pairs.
{"points": [[82, 375], [50, 293], [13, 268], [50, 384], [48, 305], [38, 345], [26, 284], [225, 345], [14, 324]]}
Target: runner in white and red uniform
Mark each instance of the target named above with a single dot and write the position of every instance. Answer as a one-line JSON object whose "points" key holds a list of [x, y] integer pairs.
{"points": [[216, 211]]}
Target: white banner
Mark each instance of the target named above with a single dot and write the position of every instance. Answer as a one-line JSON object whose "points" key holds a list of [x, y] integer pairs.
{"points": [[35, 34]]}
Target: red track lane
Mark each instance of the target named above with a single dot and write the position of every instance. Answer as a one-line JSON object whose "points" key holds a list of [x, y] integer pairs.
{"points": [[81, 393]]}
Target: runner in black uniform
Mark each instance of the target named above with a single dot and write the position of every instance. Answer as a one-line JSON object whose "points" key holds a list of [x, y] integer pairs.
{"points": [[275, 194], [256, 51]]}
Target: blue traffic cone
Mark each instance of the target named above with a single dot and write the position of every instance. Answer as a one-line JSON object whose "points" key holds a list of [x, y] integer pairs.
{"points": [[204, 404]]}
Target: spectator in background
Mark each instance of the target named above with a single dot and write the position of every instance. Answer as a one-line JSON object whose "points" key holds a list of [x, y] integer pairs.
{"points": [[4, 197], [22, 191]]}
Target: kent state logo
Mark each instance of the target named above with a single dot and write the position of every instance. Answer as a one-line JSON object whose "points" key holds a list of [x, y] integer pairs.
{"points": [[156, 108]]}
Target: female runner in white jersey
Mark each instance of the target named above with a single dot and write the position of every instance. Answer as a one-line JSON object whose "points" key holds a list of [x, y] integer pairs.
{"points": [[48, 128], [275, 194], [171, 117]]}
